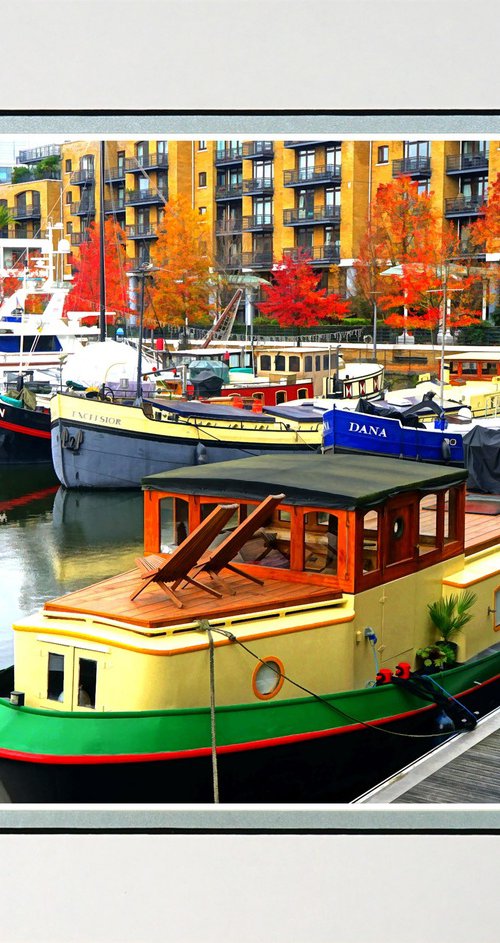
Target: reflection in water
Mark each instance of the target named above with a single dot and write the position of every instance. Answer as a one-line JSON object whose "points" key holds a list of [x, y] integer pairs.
{"points": [[53, 541]]}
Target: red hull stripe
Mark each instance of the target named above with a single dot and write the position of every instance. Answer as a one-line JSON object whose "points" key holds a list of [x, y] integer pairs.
{"points": [[23, 430], [104, 759]]}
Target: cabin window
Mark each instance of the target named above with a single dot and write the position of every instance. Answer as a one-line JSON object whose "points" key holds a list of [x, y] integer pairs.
{"points": [[174, 523], [326, 361], [55, 681], [321, 542], [280, 397], [284, 516], [280, 362], [258, 396], [450, 516], [317, 362], [270, 545], [469, 366], [294, 364], [302, 393], [268, 678], [497, 610], [234, 520], [371, 527], [489, 369], [427, 524], [234, 361], [308, 363], [87, 678], [265, 362]]}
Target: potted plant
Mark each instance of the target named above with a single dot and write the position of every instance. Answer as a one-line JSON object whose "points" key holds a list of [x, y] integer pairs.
{"points": [[431, 658], [449, 615]]}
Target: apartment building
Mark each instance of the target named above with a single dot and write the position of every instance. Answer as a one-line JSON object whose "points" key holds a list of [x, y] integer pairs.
{"points": [[261, 199]]}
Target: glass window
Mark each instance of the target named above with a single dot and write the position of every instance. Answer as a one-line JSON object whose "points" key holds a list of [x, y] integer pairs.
{"points": [[270, 545], [280, 397], [202, 145], [294, 363], [267, 678], [55, 681], [321, 542], [427, 527], [317, 362], [450, 516], [383, 154], [308, 363], [202, 179], [279, 362], [68, 166], [497, 610], [371, 525], [174, 523], [265, 362], [87, 678], [302, 393], [69, 197], [202, 210], [333, 196]]}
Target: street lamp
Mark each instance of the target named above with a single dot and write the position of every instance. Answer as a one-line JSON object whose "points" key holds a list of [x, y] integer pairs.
{"points": [[142, 273]]}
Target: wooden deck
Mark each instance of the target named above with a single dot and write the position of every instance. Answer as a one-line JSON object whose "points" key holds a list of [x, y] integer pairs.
{"points": [[471, 777], [153, 609]]}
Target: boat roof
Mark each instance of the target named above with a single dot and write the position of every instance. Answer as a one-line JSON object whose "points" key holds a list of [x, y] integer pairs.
{"points": [[331, 481], [490, 355], [194, 409]]}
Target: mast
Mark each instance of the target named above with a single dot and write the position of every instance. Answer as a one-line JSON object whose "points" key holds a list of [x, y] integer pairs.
{"points": [[102, 281]]}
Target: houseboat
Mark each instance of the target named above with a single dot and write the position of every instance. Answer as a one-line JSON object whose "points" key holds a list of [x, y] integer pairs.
{"points": [[264, 647]]}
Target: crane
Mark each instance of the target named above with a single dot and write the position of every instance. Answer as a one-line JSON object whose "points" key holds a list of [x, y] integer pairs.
{"points": [[222, 327]]}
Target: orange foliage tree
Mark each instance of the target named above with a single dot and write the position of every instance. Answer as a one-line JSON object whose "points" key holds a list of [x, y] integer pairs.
{"points": [[294, 299], [183, 284], [85, 292], [403, 233]]}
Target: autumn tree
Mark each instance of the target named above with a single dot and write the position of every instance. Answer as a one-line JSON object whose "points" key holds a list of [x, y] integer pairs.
{"points": [[85, 291], [183, 284], [293, 298]]}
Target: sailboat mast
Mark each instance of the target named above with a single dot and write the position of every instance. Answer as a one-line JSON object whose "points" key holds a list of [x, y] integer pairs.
{"points": [[102, 281]]}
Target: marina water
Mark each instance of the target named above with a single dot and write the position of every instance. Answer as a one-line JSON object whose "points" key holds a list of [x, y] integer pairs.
{"points": [[53, 541]]}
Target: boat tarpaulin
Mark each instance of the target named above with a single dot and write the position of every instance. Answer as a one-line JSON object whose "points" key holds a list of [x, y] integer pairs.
{"points": [[331, 480], [482, 459], [194, 409]]}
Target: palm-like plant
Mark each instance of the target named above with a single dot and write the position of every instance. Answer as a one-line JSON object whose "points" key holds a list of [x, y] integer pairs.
{"points": [[5, 218], [451, 613]]}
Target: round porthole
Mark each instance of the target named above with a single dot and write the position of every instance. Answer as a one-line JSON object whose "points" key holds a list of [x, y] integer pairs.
{"points": [[267, 678], [398, 528]]}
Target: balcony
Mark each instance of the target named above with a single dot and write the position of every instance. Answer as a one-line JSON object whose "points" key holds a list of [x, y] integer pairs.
{"points": [[331, 173], [114, 206], [322, 214], [227, 227], [318, 255], [262, 222], [463, 206], [114, 174], [258, 149], [467, 163], [258, 185], [142, 197], [83, 208], [36, 154], [229, 191], [229, 155], [412, 167], [232, 261], [78, 237], [25, 212], [134, 165], [257, 260], [142, 231], [307, 143], [81, 178]]}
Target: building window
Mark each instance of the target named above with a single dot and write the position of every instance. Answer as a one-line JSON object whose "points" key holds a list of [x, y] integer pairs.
{"points": [[202, 210], [202, 179], [69, 228], [68, 166], [69, 197], [383, 154], [417, 149], [202, 145]]}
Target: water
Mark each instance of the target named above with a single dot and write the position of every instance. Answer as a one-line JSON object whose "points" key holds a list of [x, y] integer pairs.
{"points": [[53, 541]]}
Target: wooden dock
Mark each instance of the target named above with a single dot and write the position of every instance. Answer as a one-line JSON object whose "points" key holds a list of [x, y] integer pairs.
{"points": [[465, 769]]}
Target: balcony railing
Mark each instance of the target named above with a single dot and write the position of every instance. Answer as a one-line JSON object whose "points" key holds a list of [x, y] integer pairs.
{"points": [[134, 165], [412, 167], [83, 208], [258, 149], [34, 154], [78, 237], [464, 206], [317, 254], [258, 185], [261, 221], [331, 173], [304, 143], [232, 261], [229, 191], [226, 227], [229, 155], [142, 231], [81, 177], [114, 206], [466, 163], [113, 174], [320, 214], [140, 197], [25, 212], [263, 259]]}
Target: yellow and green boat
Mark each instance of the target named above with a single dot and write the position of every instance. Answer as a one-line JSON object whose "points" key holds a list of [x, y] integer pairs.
{"points": [[286, 672]]}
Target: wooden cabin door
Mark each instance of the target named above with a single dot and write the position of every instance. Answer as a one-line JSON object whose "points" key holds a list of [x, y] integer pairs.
{"points": [[400, 530]]}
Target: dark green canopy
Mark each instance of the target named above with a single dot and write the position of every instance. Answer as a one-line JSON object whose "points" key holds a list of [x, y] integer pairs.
{"points": [[330, 481]]}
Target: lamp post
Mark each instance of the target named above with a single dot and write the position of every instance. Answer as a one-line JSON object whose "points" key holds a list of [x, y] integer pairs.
{"points": [[142, 273]]}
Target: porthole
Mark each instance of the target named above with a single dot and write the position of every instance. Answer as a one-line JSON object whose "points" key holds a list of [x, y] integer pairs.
{"points": [[398, 528], [267, 678]]}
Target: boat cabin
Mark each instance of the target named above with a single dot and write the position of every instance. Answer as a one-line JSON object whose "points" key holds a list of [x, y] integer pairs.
{"points": [[344, 521], [470, 365], [324, 363]]}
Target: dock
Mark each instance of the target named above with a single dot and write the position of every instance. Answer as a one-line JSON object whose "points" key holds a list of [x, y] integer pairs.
{"points": [[465, 769]]}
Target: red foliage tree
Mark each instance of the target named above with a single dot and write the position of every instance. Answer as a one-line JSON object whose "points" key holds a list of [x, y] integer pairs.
{"points": [[294, 299], [85, 292]]}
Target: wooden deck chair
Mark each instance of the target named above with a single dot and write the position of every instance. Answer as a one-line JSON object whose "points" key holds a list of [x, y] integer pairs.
{"points": [[168, 572], [220, 558]]}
